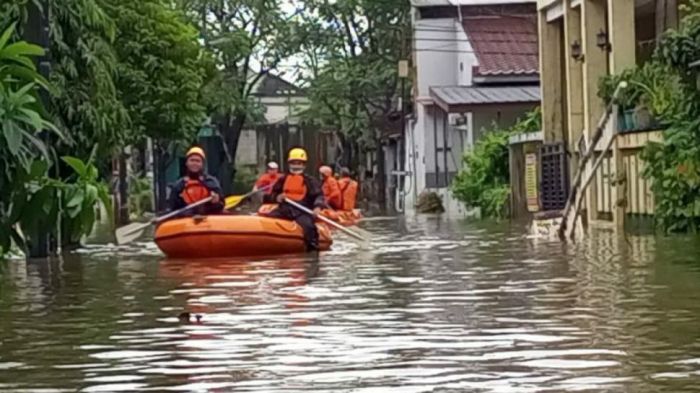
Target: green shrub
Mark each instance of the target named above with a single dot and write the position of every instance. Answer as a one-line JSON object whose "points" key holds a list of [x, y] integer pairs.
{"points": [[484, 180], [673, 166], [140, 195], [244, 180]]}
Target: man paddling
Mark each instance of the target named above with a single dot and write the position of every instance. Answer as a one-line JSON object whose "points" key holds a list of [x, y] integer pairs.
{"points": [[300, 188], [195, 186]]}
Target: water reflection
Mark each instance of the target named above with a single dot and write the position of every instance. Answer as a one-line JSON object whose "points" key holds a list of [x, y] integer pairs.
{"points": [[435, 307]]}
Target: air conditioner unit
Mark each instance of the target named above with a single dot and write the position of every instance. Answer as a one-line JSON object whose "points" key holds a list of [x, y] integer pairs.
{"points": [[456, 119]]}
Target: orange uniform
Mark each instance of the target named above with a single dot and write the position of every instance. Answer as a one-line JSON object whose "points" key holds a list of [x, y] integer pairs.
{"points": [[267, 180], [348, 193], [331, 191]]}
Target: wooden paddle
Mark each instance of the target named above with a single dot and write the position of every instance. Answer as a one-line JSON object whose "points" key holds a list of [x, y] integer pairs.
{"points": [[235, 200], [131, 232], [330, 222]]}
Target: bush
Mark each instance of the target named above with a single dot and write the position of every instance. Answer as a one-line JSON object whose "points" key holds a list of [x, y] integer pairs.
{"points": [[484, 180], [244, 180], [673, 166], [140, 196]]}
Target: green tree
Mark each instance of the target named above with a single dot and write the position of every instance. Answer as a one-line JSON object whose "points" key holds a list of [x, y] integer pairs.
{"points": [[84, 63], [352, 49], [160, 76], [32, 201], [249, 39]]}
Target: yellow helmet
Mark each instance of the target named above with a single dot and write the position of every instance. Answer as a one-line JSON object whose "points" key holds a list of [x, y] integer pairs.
{"points": [[196, 150], [297, 154]]}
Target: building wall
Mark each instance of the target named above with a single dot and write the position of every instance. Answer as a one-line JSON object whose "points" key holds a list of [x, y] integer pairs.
{"points": [[436, 50], [443, 57], [277, 110]]}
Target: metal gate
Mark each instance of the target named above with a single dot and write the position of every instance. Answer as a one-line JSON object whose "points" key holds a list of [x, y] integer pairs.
{"points": [[554, 169]]}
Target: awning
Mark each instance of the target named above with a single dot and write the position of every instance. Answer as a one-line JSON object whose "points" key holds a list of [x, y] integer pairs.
{"points": [[460, 99]]}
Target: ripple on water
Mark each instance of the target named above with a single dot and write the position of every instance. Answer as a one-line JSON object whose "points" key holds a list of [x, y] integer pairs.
{"points": [[443, 307]]}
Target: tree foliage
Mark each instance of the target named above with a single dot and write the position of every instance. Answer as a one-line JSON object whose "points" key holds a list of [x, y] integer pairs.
{"points": [[161, 70], [673, 165], [31, 200], [484, 180], [248, 39], [84, 64], [352, 51]]}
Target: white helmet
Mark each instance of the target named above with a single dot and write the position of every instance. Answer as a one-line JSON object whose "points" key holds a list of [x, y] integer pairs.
{"points": [[272, 165]]}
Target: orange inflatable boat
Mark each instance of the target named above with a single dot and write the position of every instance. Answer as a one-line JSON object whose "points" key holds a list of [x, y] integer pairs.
{"points": [[345, 218], [233, 236]]}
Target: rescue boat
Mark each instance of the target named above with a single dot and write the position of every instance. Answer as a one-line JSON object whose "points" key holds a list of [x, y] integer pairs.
{"points": [[342, 217], [233, 236]]}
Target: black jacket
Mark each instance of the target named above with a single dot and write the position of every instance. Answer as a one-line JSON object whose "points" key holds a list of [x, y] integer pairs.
{"points": [[314, 195], [176, 202]]}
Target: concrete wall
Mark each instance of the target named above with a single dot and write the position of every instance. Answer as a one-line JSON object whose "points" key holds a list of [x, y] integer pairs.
{"points": [[436, 48]]}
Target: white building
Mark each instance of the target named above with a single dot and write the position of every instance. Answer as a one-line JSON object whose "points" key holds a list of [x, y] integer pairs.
{"points": [[475, 64], [282, 103]]}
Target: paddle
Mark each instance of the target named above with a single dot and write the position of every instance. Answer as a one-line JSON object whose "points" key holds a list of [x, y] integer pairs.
{"points": [[235, 200], [131, 232], [330, 222]]}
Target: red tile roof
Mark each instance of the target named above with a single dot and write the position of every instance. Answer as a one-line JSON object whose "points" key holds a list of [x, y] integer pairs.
{"points": [[505, 45]]}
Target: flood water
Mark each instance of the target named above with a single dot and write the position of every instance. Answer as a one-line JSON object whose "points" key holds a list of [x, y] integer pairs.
{"points": [[435, 307]]}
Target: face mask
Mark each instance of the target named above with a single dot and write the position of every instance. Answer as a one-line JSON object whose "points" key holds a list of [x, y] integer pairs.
{"points": [[296, 169]]}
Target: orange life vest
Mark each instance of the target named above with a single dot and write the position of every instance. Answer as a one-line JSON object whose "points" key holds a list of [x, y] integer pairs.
{"points": [[267, 179], [194, 191], [294, 187], [348, 193], [331, 192]]}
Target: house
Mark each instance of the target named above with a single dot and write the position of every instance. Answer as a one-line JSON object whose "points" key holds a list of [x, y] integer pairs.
{"points": [[580, 42], [282, 103], [475, 65]]}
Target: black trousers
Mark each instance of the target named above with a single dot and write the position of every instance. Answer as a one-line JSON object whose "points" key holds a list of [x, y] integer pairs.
{"points": [[305, 221]]}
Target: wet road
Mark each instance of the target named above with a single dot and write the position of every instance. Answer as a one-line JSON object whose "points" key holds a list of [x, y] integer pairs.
{"points": [[434, 307]]}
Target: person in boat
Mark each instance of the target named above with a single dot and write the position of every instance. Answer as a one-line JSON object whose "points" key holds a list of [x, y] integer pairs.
{"points": [[330, 188], [348, 190], [303, 189], [195, 186], [269, 178]]}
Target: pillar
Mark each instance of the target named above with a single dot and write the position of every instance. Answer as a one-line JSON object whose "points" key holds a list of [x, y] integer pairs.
{"points": [[574, 81], [622, 38], [550, 77], [595, 66]]}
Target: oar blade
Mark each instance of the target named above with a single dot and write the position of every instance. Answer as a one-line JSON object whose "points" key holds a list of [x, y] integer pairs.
{"points": [[131, 232], [233, 201]]}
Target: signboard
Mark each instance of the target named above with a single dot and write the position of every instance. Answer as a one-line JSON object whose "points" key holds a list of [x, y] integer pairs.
{"points": [[533, 203], [403, 69]]}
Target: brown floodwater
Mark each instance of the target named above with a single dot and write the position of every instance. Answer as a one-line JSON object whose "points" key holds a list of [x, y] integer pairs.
{"points": [[434, 306]]}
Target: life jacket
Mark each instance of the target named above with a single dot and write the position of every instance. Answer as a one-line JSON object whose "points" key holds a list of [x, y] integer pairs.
{"points": [[267, 179], [331, 192], [348, 193], [294, 187], [194, 191]]}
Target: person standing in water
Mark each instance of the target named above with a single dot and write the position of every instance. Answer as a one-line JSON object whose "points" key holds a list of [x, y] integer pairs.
{"points": [[195, 186], [303, 189]]}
